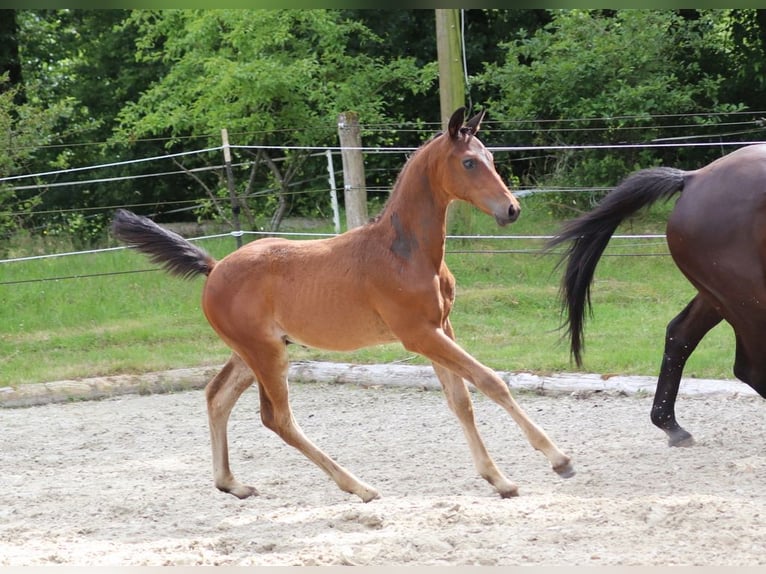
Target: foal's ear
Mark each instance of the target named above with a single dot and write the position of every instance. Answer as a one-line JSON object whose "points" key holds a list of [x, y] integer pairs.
{"points": [[472, 125], [456, 122]]}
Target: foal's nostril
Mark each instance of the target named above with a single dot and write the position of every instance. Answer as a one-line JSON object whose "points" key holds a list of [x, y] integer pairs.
{"points": [[513, 213]]}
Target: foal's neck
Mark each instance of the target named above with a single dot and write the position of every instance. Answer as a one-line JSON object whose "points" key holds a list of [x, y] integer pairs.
{"points": [[416, 213]]}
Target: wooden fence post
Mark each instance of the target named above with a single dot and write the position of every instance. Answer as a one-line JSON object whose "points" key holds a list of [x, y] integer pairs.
{"points": [[354, 188], [230, 182]]}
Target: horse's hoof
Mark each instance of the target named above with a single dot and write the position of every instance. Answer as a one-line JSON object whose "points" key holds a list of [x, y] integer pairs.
{"points": [[368, 494], [241, 491], [510, 492], [565, 470], [683, 439]]}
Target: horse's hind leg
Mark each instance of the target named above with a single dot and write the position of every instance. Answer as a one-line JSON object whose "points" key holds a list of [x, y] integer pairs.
{"points": [[459, 400], [221, 394], [682, 336], [269, 362]]}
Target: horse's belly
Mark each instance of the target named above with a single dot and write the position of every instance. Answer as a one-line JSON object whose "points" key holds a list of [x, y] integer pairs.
{"points": [[721, 249], [336, 329]]}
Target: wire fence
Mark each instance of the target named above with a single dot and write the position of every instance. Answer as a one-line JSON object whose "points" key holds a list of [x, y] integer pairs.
{"points": [[637, 241], [638, 245]]}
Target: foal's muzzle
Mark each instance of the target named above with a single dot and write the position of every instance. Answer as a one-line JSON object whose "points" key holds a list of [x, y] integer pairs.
{"points": [[512, 215]]}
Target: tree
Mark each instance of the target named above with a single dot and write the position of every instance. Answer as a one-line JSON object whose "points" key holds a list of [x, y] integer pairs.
{"points": [[83, 63], [278, 77], [741, 35], [136, 84], [26, 128], [9, 51], [589, 77]]}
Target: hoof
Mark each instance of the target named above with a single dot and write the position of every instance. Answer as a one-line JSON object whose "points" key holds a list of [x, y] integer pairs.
{"points": [[368, 494], [241, 491], [683, 439], [565, 470], [509, 492]]}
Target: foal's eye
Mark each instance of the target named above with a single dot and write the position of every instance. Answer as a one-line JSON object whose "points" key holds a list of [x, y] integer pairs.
{"points": [[469, 163]]}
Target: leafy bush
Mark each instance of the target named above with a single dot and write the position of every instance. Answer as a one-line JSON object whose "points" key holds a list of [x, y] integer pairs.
{"points": [[593, 79]]}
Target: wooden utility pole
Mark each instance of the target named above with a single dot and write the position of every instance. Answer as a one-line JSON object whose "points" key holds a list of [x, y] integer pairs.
{"points": [[451, 91], [449, 54], [354, 187]]}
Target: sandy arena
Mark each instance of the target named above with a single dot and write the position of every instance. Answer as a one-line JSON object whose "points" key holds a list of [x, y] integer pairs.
{"points": [[128, 481]]}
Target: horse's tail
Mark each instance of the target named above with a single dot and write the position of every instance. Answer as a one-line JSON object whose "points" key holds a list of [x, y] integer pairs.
{"points": [[164, 247], [589, 235]]}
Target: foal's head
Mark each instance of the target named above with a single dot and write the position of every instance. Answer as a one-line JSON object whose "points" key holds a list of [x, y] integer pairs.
{"points": [[467, 170]]}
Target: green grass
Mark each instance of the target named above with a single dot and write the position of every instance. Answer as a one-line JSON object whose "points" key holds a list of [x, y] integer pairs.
{"points": [[507, 312]]}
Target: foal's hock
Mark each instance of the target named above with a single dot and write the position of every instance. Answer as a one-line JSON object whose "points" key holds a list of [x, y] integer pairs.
{"points": [[383, 282]]}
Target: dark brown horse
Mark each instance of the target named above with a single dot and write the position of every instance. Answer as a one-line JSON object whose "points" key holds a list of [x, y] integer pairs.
{"points": [[717, 237], [383, 282]]}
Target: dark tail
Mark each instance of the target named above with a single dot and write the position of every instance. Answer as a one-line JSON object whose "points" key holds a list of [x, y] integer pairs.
{"points": [[164, 247], [590, 233]]}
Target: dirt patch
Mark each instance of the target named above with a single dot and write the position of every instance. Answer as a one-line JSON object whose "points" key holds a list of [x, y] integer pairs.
{"points": [[128, 481]]}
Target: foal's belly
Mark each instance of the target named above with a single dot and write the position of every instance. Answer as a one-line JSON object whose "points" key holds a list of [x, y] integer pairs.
{"points": [[314, 293], [335, 329]]}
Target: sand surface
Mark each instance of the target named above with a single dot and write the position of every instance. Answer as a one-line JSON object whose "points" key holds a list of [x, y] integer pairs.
{"points": [[128, 481]]}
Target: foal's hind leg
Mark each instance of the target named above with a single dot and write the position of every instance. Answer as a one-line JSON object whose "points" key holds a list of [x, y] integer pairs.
{"points": [[682, 336], [221, 394], [459, 400], [269, 362]]}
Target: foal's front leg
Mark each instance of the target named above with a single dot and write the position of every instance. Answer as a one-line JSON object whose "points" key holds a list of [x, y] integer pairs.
{"points": [[435, 344], [459, 401]]}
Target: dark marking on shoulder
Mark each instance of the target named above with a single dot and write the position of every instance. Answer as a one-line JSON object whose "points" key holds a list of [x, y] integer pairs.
{"points": [[404, 242]]}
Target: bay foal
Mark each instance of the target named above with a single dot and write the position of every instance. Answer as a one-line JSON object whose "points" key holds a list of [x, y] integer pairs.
{"points": [[383, 282]]}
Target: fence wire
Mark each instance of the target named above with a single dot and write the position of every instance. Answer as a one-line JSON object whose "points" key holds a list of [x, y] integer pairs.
{"points": [[305, 235]]}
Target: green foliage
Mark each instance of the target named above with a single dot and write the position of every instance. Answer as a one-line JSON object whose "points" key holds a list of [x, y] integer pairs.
{"points": [[130, 84], [80, 64], [589, 78], [82, 231], [276, 77], [26, 127], [260, 71], [742, 32]]}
